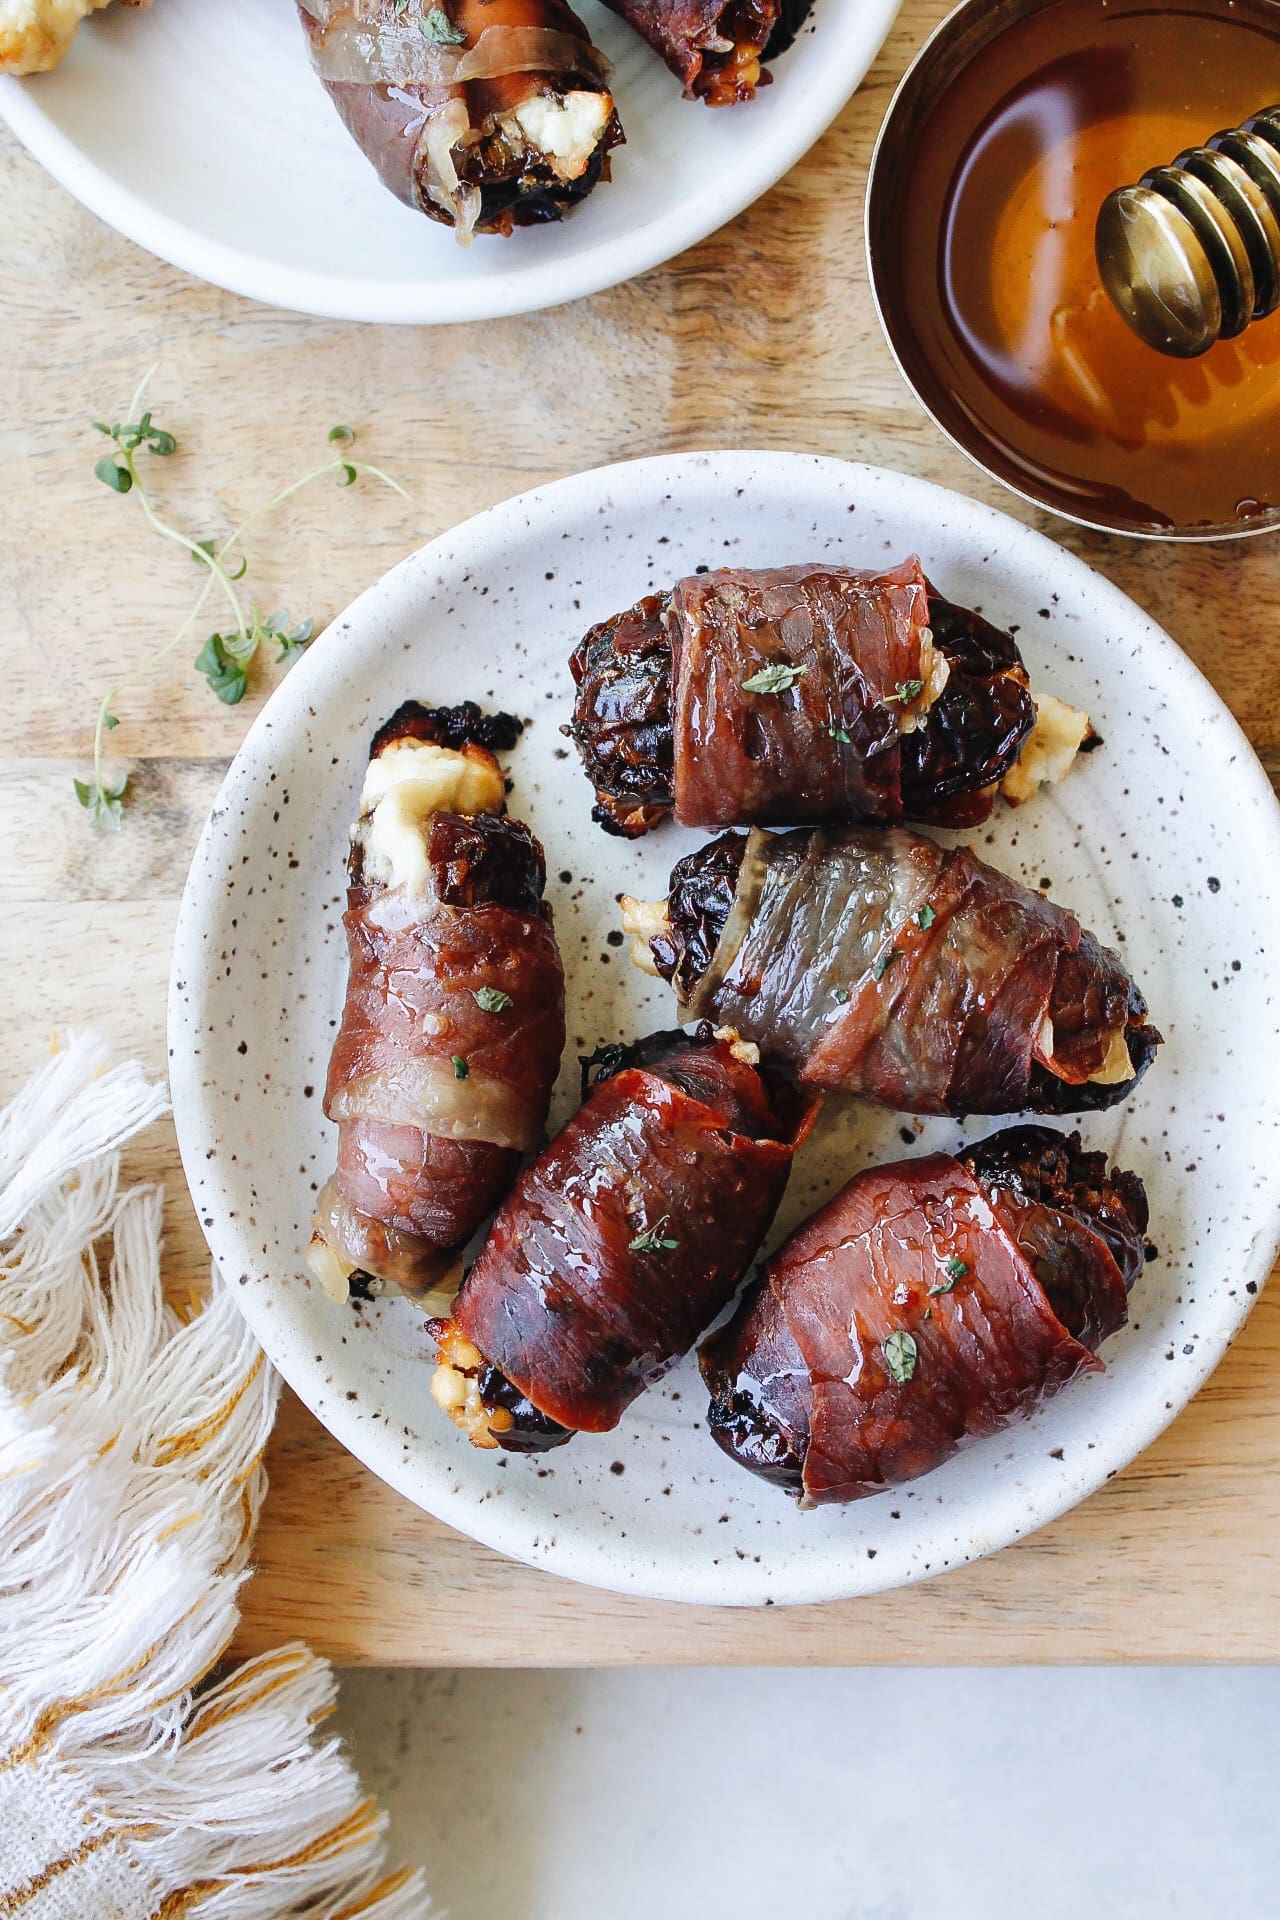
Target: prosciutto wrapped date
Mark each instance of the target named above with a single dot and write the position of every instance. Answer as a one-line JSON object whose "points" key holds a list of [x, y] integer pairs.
{"points": [[929, 1304], [484, 114], [453, 1027], [716, 47], [795, 694], [881, 964], [621, 1243]]}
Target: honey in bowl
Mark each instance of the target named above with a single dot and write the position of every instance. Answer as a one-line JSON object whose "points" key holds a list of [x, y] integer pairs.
{"points": [[985, 238]]}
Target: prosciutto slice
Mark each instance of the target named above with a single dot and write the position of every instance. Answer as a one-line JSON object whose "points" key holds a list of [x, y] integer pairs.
{"points": [[850, 656], [716, 47], [453, 1025], [621, 1243], [436, 988], [790, 695], [930, 1304], [916, 977], [484, 114]]}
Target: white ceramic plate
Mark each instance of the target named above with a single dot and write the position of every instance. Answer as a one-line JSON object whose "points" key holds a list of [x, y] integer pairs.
{"points": [[199, 131], [1166, 842]]}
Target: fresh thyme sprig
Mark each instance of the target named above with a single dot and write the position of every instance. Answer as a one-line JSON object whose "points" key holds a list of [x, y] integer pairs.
{"points": [[438, 26], [224, 659], [655, 1239]]}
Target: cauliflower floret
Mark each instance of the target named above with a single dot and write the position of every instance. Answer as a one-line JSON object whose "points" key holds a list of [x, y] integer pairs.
{"points": [[34, 34]]}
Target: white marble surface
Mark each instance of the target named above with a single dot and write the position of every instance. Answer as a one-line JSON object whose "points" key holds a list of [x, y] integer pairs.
{"points": [[830, 1795]]}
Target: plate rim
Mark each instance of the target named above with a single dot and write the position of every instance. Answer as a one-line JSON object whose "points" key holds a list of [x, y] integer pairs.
{"points": [[548, 283], [809, 1582]]}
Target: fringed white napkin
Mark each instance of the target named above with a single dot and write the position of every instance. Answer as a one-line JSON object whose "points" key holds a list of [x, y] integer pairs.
{"points": [[131, 1442]]}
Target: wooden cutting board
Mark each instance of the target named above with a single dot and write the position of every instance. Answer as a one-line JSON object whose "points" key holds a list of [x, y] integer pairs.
{"points": [[764, 336]]}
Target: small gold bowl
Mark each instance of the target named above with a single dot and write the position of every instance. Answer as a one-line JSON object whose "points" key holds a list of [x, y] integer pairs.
{"points": [[1011, 126]]}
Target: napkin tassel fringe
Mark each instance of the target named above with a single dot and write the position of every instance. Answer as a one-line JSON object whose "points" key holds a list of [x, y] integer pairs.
{"points": [[131, 1442]]}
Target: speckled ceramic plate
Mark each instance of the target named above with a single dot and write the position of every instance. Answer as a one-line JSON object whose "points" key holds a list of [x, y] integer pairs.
{"points": [[1166, 842], [239, 170]]}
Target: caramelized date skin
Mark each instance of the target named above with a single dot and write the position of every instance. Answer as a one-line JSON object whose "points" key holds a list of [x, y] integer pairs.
{"points": [[791, 18], [976, 727], [476, 860], [456, 727], [654, 1050], [622, 716], [537, 198], [760, 1391], [703, 885], [970, 738], [1081, 1226], [1035, 1166], [531, 1432], [479, 860], [680, 1058]]}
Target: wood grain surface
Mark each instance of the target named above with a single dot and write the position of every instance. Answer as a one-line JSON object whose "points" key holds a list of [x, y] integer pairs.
{"points": [[764, 336]]}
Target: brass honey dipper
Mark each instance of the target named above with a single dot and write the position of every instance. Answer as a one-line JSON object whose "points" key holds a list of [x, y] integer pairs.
{"points": [[1192, 253]]}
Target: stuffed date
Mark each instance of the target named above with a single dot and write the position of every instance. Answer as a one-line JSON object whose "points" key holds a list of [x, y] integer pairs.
{"points": [[928, 1304], [875, 962], [484, 114], [453, 1026], [621, 1243], [796, 694], [717, 48]]}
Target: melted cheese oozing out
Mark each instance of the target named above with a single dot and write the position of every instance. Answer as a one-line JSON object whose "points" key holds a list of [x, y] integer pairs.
{"points": [[745, 1050], [1049, 754], [644, 920], [404, 786], [935, 671], [34, 34], [455, 1389], [458, 1395], [331, 1271], [566, 129], [1116, 1068], [438, 1304]]}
